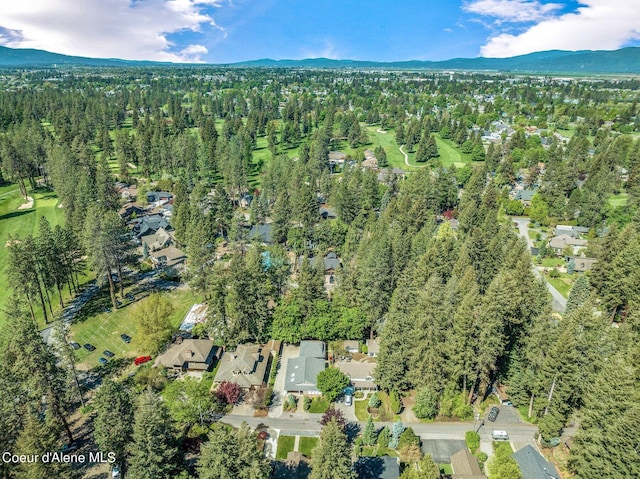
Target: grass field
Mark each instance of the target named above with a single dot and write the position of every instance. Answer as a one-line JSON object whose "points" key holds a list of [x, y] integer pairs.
{"points": [[618, 200], [318, 405], [563, 284], [307, 445], [285, 446], [449, 153], [103, 330], [20, 223]]}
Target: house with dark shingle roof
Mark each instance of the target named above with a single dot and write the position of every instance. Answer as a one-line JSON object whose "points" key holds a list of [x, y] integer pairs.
{"points": [[246, 366], [533, 465], [189, 355], [465, 465], [525, 197], [384, 467]]}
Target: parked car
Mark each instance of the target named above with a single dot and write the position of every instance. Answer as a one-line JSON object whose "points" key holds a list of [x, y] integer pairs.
{"points": [[493, 414], [141, 360], [102, 361], [108, 353], [130, 296], [348, 400], [74, 345], [89, 347], [126, 338]]}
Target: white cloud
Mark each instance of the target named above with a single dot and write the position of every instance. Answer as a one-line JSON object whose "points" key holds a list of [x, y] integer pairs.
{"points": [[512, 10], [597, 25], [130, 29]]}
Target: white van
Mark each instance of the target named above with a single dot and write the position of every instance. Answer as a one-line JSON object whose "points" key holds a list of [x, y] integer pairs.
{"points": [[499, 435]]}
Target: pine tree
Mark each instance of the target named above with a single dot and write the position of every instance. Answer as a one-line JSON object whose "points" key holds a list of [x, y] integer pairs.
{"points": [[332, 455], [580, 293], [369, 435], [153, 452], [114, 419]]}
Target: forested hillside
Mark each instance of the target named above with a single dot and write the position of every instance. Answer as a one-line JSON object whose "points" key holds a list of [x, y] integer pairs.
{"points": [[323, 205]]}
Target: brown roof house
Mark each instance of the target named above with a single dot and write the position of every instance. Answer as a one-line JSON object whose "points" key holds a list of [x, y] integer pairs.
{"points": [[360, 373], [465, 465], [373, 347], [559, 243], [246, 366], [189, 355]]}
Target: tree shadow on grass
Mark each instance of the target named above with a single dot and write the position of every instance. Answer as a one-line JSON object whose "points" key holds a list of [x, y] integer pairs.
{"points": [[16, 214]]}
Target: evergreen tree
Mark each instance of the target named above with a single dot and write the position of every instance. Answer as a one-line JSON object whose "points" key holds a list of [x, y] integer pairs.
{"points": [[332, 455], [369, 435], [153, 454], [114, 420]]}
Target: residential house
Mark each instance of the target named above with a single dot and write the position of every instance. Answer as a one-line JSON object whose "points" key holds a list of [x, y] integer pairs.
{"points": [[337, 158], [560, 243], [533, 466], [247, 366], [262, 233], [465, 465], [189, 355], [331, 264], [153, 196], [573, 231], [170, 259], [385, 174], [130, 210], [373, 347], [582, 265], [159, 240], [351, 347], [384, 467], [370, 160], [245, 200], [327, 213], [127, 192], [148, 225], [360, 373], [525, 196], [302, 371]]}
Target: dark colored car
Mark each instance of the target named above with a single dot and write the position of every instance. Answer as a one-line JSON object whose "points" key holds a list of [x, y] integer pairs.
{"points": [[141, 360], [102, 361], [130, 296], [108, 353], [126, 338], [493, 414], [89, 347], [74, 345]]}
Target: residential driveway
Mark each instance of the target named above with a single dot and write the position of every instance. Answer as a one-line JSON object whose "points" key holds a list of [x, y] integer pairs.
{"points": [[348, 411], [288, 352], [507, 415], [441, 450]]}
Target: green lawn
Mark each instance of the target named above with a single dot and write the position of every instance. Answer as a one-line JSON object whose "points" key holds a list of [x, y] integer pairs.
{"points": [[563, 284], [361, 409], [388, 142], [445, 469], [553, 262], [20, 223], [285, 446], [619, 200], [377, 451], [307, 445], [449, 153], [103, 330], [318, 405]]}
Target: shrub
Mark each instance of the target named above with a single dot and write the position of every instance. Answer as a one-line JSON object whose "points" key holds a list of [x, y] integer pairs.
{"points": [[396, 403], [228, 392], [383, 437], [274, 370], [333, 414], [396, 431], [554, 273], [426, 404], [374, 401], [291, 404], [408, 438], [472, 439], [306, 403]]}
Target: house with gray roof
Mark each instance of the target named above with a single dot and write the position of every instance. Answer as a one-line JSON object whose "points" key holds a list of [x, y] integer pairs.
{"points": [[573, 231], [533, 465], [373, 347], [559, 243], [384, 467], [302, 371], [246, 366], [262, 234], [525, 197]]}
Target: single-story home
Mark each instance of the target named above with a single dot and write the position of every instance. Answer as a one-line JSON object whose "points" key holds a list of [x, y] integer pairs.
{"points": [[583, 265], [370, 160], [525, 197], [167, 257], [533, 466], [159, 240], [351, 346], [373, 347], [262, 233], [384, 467], [331, 264], [188, 355], [327, 213], [302, 371], [573, 231], [559, 243], [360, 373], [246, 366], [465, 465], [153, 196]]}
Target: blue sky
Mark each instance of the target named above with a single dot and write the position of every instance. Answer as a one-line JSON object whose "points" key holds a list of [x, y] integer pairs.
{"points": [[225, 31]]}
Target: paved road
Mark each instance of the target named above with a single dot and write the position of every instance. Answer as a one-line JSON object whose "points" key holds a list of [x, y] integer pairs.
{"points": [[559, 301], [309, 426]]}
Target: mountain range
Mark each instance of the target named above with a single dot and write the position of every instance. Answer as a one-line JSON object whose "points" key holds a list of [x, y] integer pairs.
{"points": [[625, 60]]}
